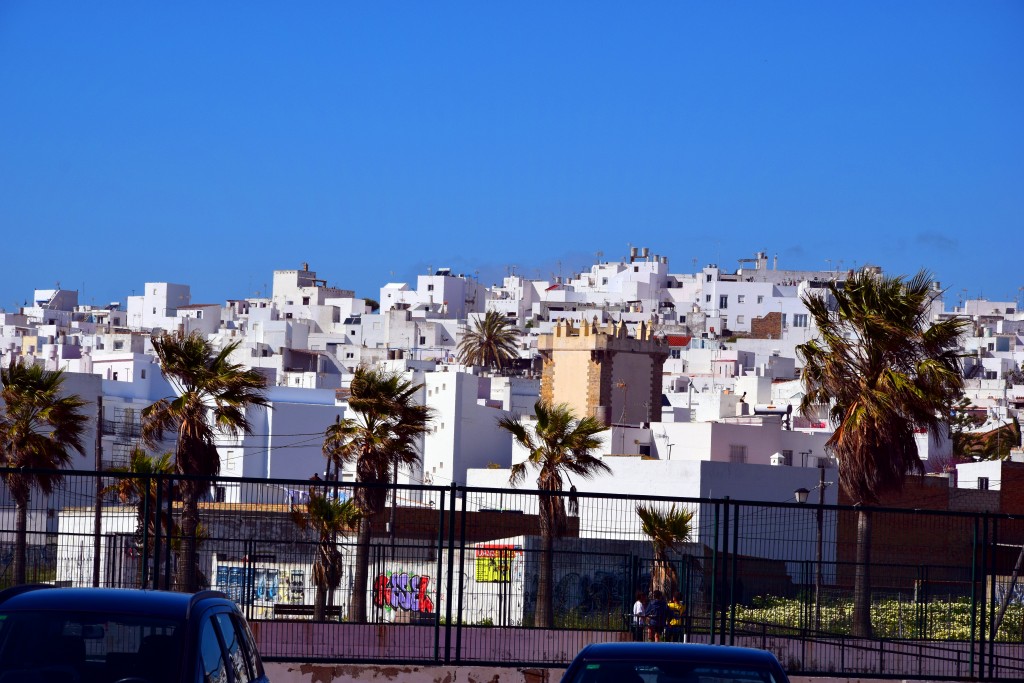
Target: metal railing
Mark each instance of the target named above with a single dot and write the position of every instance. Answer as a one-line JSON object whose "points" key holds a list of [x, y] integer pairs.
{"points": [[456, 574]]}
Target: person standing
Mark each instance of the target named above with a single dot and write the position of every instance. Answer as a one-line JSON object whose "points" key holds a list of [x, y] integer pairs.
{"points": [[676, 610], [639, 618], [657, 615]]}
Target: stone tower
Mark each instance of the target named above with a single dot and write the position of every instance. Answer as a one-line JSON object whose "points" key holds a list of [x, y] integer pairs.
{"points": [[604, 372]]}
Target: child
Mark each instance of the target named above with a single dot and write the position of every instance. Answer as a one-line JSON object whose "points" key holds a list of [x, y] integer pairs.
{"points": [[657, 615], [676, 610], [639, 610]]}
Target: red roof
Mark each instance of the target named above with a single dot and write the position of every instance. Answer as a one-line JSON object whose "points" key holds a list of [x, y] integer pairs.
{"points": [[679, 339]]}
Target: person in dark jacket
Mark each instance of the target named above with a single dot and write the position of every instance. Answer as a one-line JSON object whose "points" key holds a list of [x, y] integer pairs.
{"points": [[657, 616]]}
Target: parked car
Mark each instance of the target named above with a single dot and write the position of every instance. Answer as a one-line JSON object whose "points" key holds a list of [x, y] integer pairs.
{"points": [[673, 663], [114, 635]]}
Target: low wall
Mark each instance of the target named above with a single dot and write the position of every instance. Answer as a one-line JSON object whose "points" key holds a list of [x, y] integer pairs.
{"points": [[307, 641], [374, 673]]}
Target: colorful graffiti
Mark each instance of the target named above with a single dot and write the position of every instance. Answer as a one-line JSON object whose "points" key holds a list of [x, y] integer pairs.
{"points": [[402, 591]]}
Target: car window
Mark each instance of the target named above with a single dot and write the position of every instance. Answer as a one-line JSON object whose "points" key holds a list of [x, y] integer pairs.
{"points": [[622, 671], [214, 666], [250, 645], [233, 645], [86, 644]]}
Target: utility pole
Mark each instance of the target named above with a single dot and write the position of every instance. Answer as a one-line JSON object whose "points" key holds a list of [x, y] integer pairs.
{"points": [[97, 522]]}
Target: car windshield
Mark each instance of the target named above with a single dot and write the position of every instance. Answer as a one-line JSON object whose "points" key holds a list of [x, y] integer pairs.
{"points": [[623, 671], [80, 646]]}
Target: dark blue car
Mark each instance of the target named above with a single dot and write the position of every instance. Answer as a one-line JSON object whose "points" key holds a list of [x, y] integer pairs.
{"points": [[673, 663], [110, 635]]}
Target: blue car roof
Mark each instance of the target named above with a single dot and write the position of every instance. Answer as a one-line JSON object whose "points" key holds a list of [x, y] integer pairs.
{"points": [[690, 652], [165, 604]]}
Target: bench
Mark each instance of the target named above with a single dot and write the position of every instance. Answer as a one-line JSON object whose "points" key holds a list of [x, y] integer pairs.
{"points": [[282, 609]]}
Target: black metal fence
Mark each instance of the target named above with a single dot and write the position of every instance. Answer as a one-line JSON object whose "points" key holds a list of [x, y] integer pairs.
{"points": [[455, 574]]}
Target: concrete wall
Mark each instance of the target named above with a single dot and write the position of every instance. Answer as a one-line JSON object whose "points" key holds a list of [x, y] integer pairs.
{"points": [[325, 673]]}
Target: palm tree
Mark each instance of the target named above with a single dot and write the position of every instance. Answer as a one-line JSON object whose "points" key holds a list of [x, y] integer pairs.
{"points": [[666, 530], [492, 342], [39, 427], [327, 517], [882, 371], [213, 395], [559, 444], [148, 474], [383, 435]]}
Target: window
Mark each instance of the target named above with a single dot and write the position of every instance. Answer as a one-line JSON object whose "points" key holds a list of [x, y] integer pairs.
{"points": [[760, 298], [636, 269], [118, 345], [430, 288], [799, 320], [983, 483], [349, 354], [740, 298], [305, 301], [740, 320], [707, 298], [234, 645], [708, 277], [199, 314], [784, 320], [787, 457], [214, 670], [604, 281], [673, 353], [142, 374], [114, 377], [154, 310], [219, 494], [737, 454], [723, 301]]}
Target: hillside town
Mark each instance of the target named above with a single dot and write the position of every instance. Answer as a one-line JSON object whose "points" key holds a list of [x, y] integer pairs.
{"points": [[690, 387], [694, 374]]}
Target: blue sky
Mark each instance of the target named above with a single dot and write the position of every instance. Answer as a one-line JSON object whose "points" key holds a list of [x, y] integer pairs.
{"points": [[212, 143]]}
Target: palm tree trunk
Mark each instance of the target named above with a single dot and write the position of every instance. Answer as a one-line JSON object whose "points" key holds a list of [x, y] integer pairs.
{"points": [[544, 613], [20, 542], [186, 579], [320, 601], [862, 577], [357, 605]]}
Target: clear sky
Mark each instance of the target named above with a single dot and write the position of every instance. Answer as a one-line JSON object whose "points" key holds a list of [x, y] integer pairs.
{"points": [[210, 143]]}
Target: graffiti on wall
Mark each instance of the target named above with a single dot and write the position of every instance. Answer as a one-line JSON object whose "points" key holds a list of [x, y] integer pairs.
{"points": [[402, 591], [494, 562]]}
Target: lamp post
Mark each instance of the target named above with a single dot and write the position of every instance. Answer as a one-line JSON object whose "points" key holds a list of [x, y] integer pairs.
{"points": [[801, 495], [817, 573]]}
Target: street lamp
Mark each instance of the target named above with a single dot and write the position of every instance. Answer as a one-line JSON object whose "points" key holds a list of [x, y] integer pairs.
{"points": [[801, 495]]}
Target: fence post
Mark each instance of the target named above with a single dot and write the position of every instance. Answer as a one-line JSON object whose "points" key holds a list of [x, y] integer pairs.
{"points": [[712, 615], [974, 596], [158, 529], [725, 570], [144, 558], [992, 598], [448, 583], [733, 593], [462, 578], [97, 521], [440, 573]]}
